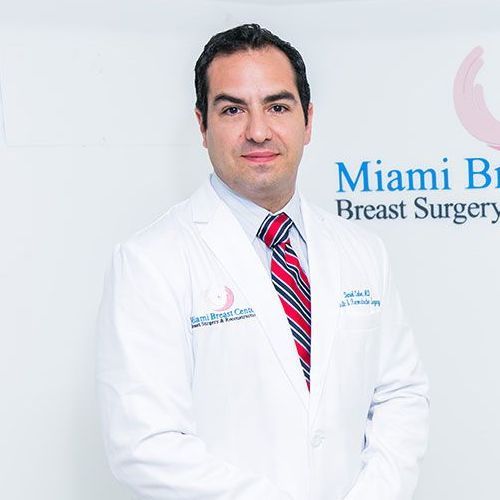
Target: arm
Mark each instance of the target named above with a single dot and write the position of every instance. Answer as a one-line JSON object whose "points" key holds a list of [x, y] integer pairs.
{"points": [[397, 426], [144, 368]]}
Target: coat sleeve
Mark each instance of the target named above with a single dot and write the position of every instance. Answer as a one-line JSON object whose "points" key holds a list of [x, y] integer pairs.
{"points": [[144, 366], [397, 424]]}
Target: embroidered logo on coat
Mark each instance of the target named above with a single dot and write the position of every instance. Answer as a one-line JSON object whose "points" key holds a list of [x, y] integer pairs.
{"points": [[215, 318], [219, 301], [356, 297]]}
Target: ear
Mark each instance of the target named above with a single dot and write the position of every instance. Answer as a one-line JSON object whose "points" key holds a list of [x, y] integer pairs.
{"points": [[307, 137], [203, 130]]}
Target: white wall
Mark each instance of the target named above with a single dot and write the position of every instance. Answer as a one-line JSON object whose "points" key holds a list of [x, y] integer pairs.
{"points": [[101, 137]]}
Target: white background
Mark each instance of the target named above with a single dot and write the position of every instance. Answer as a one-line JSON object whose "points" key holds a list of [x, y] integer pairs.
{"points": [[100, 138]]}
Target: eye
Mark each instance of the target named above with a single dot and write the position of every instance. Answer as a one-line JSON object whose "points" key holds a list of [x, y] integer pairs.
{"points": [[232, 110], [278, 108]]}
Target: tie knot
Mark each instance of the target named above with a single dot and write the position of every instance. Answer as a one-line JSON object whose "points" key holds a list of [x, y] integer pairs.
{"points": [[275, 228]]}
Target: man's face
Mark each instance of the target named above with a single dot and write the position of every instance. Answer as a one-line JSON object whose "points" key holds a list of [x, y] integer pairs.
{"points": [[256, 129]]}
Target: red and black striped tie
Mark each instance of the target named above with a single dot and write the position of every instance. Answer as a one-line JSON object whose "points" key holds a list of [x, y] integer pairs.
{"points": [[291, 283]]}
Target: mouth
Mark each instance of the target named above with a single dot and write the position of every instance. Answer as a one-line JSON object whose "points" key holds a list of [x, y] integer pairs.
{"points": [[260, 156]]}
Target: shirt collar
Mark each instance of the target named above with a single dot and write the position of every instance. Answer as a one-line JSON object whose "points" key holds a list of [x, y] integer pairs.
{"points": [[249, 214]]}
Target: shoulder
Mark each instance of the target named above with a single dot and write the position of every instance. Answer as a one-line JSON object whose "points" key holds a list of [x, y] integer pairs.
{"points": [[159, 248], [163, 232]]}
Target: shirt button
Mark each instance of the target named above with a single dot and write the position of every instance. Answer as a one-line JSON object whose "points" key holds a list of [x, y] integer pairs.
{"points": [[317, 439]]}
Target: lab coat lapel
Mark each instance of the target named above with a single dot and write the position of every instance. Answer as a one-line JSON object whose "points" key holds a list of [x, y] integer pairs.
{"points": [[324, 277], [224, 235]]}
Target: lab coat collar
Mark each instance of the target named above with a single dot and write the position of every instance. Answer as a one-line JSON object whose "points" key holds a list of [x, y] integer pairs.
{"points": [[324, 276]]}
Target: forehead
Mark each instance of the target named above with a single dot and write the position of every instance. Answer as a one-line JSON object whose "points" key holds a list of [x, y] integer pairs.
{"points": [[265, 70]]}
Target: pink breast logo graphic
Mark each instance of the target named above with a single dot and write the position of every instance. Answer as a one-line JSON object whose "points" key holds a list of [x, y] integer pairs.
{"points": [[220, 298], [470, 104]]}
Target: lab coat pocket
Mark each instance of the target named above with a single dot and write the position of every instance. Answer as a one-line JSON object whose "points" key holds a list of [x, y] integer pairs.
{"points": [[362, 322], [357, 345]]}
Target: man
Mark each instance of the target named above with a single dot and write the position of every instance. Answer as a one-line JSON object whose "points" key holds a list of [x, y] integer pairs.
{"points": [[251, 345]]}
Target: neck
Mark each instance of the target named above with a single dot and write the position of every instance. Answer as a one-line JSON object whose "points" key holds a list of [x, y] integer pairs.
{"points": [[272, 203]]}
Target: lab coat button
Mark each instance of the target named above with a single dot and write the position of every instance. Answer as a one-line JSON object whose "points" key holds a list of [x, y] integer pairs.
{"points": [[317, 439]]}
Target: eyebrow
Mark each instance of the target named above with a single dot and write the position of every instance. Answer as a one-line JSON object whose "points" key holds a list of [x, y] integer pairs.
{"points": [[280, 96]]}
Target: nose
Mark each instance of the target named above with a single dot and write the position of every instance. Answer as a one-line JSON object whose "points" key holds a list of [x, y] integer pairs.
{"points": [[258, 129]]}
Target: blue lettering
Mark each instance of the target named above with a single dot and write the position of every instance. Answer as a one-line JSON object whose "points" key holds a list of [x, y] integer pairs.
{"points": [[482, 173], [421, 177], [246, 310], [361, 174], [396, 183]]}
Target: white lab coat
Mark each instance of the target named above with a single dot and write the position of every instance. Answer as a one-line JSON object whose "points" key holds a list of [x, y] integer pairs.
{"points": [[202, 410]]}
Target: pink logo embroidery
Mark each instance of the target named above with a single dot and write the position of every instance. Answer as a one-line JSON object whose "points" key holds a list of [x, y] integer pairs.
{"points": [[220, 298], [470, 105]]}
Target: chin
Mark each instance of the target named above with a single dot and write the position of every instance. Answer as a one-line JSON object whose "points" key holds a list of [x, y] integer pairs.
{"points": [[269, 187], [264, 181]]}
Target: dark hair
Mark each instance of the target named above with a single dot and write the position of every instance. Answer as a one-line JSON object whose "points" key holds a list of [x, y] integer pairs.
{"points": [[240, 38]]}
